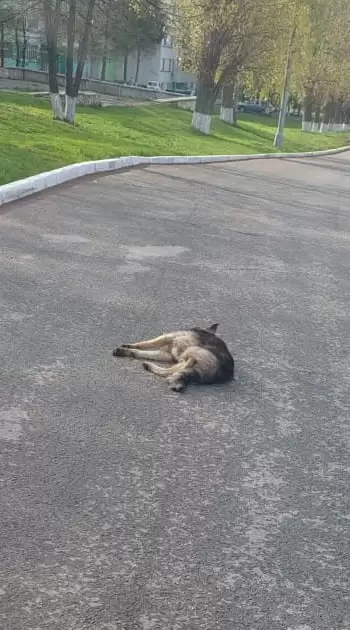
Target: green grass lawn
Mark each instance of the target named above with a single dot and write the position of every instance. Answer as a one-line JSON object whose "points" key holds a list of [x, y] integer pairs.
{"points": [[31, 142]]}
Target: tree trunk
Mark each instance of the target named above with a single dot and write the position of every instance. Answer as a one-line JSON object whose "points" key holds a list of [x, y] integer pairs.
{"points": [[25, 42], [71, 94], [328, 113], [52, 17], [83, 46], [105, 47], [307, 110], [73, 85], [227, 110], [332, 116], [125, 69], [346, 118], [103, 68], [316, 122], [18, 47], [69, 110], [338, 116], [138, 59], [206, 97], [2, 45]]}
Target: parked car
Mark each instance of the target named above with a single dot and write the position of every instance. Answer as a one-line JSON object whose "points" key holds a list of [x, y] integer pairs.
{"points": [[154, 85], [253, 107]]}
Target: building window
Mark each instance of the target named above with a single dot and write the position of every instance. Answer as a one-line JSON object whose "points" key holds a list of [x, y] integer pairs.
{"points": [[168, 42], [33, 23], [32, 52], [167, 65]]}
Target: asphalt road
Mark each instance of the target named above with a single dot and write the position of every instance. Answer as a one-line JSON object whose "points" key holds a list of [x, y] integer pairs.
{"points": [[125, 506]]}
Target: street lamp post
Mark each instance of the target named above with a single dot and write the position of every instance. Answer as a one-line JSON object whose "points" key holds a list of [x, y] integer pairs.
{"points": [[279, 137]]}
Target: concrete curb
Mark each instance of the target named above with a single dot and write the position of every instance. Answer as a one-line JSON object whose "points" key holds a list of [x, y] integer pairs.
{"points": [[37, 183]]}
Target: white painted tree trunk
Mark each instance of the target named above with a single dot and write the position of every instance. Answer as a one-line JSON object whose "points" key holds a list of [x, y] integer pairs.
{"points": [[324, 128], [56, 105], [202, 122], [227, 115], [69, 113], [306, 125], [345, 127], [315, 127]]}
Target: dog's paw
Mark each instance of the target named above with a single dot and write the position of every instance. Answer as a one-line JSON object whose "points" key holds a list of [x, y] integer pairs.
{"points": [[178, 387], [121, 352], [146, 366], [125, 345]]}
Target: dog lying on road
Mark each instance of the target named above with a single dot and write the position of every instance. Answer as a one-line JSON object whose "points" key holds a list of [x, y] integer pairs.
{"points": [[197, 356]]}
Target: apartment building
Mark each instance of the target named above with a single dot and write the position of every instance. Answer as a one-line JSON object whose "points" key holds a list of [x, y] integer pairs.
{"points": [[162, 64]]}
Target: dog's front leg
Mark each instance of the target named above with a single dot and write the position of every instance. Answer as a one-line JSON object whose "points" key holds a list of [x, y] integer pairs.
{"points": [[161, 371]]}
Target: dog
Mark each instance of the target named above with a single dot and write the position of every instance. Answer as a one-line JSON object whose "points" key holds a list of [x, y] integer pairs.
{"points": [[197, 356]]}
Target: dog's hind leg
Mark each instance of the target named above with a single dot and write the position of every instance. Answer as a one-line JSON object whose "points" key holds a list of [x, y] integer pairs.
{"points": [[151, 344], [155, 355], [179, 380]]}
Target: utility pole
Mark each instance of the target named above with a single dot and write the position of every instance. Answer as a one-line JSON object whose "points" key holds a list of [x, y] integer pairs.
{"points": [[279, 137]]}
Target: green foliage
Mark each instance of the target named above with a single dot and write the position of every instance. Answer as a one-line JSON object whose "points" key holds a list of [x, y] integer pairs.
{"points": [[250, 39], [127, 25]]}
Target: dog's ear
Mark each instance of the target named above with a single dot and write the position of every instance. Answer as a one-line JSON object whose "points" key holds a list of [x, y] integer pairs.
{"points": [[213, 328]]}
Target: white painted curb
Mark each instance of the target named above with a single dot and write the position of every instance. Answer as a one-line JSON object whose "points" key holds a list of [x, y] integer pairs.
{"points": [[37, 183]]}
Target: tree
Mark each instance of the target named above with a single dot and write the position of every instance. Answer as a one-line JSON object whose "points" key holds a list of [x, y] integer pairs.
{"points": [[219, 39], [321, 61], [200, 38], [18, 44], [106, 35], [52, 15], [13, 17], [121, 25], [73, 80], [8, 13], [77, 16], [150, 27], [2, 43], [128, 26], [21, 44]]}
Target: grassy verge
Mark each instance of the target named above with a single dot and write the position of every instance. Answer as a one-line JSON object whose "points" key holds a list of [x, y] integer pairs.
{"points": [[31, 142]]}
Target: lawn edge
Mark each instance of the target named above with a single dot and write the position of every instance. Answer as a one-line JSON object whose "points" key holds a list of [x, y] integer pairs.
{"points": [[37, 183]]}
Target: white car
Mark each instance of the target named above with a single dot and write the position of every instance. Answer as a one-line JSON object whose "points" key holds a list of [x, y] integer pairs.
{"points": [[154, 85]]}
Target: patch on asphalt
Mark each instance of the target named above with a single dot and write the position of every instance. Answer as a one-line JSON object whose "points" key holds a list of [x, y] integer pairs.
{"points": [[11, 423], [153, 251]]}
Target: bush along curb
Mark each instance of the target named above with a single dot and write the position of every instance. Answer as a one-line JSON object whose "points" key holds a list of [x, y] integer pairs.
{"points": [[37, 183]]}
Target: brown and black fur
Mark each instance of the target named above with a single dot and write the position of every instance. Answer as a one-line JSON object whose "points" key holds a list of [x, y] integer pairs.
{"points": [[197, 356]]}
